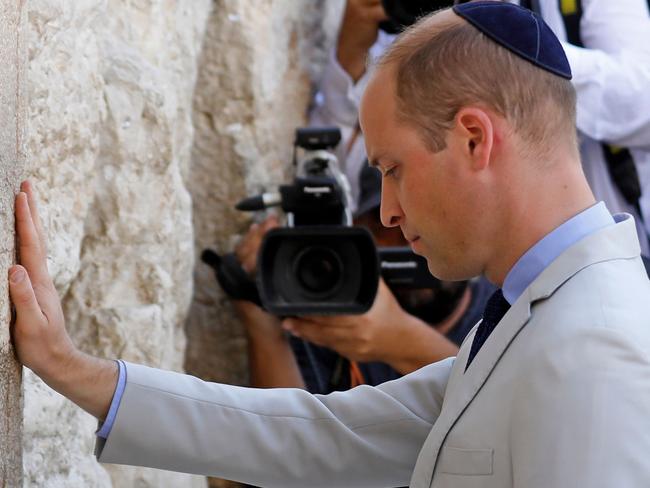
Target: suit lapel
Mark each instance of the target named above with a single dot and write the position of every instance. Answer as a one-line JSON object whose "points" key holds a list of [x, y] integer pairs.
{"points": [[614, 242], [464, 385]]}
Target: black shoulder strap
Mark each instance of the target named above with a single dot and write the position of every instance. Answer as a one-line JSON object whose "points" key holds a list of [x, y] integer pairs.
{"points": [[571, 11], [624, 174]]}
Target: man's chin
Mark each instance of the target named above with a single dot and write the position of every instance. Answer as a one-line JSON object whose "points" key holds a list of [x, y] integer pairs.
{"points": [[444, 270], [435, 268]]}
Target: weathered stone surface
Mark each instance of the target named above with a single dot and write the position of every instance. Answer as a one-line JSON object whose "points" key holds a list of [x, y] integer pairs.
{"points": [[12, 127], [110, 89], [137, 171], [253, 91], [257, 69], [254, 86]]}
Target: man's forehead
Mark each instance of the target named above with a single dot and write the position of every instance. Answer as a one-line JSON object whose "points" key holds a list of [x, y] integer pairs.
{"points": [[377, 110], [379, 95]]}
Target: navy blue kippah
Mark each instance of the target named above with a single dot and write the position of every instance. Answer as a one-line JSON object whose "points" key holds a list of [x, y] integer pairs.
{"points": [[519, 30]]}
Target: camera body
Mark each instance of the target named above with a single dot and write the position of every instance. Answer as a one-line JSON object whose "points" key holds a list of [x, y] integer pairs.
{"points": [[318, 263], [402, 13]]}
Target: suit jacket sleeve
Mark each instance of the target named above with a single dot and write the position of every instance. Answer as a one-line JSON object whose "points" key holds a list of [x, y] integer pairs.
{"points": [[580, 415], [276, 437]]}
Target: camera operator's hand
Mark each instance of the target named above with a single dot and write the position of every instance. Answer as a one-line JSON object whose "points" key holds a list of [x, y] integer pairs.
{"points": [[39, 336], [358, 33], [271, 361], [257, 322], [385, 333], [249, 245]]}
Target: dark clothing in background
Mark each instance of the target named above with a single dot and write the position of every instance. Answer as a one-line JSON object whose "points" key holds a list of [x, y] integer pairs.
{"points": [[324, 371]]}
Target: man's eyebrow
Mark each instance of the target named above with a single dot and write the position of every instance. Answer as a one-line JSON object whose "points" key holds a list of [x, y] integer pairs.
{"points": [[374, 160]]}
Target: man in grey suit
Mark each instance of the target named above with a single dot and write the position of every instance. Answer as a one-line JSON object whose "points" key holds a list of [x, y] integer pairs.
{"points": [[470, 117]]}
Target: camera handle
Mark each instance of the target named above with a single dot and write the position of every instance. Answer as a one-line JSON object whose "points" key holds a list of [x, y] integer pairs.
{"points": [[234, 281]]}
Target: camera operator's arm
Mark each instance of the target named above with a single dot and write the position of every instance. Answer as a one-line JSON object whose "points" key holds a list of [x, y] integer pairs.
{"points": [[385, 333], [270, 358], [342, 85], [358, 33], [344, 78], [41, 341]]}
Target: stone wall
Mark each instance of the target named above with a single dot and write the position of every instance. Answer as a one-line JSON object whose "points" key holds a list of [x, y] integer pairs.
{"points": [[137, 167], [255, 82], [110, 87], [12, 126], [252, 92]]}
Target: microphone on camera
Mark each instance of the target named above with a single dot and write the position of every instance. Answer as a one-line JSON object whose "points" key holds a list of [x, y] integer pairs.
{"points": [[259, 202]]}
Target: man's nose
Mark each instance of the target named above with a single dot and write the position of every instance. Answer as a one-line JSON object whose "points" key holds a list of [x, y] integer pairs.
{"points": [[390, 210]]}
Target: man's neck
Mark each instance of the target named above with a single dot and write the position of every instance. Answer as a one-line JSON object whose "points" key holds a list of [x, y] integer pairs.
{"points": [[537, 213]]}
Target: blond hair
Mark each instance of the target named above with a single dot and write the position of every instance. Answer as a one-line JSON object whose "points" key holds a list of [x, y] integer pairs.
{"points": [[442, 65]]}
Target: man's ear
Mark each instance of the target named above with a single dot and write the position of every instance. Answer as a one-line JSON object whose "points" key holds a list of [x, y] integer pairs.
{"points": [[475, 131]]}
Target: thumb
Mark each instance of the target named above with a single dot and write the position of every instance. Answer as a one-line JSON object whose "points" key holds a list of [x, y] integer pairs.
{"points": [[271, 222], [22, 294]]}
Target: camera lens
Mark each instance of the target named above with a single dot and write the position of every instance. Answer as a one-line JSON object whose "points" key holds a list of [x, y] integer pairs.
{"points": [[319, 270]]}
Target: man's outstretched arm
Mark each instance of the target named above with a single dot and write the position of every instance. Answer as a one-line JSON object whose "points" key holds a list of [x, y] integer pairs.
{"points": [[39, 333], [272, 437]]}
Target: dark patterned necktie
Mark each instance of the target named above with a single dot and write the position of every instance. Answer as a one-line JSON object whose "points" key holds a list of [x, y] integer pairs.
{"points": [[495, 309]]}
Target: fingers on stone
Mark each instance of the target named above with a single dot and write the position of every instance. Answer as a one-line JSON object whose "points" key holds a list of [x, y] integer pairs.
{"points": [[28, 188], [31, 252], [22, 294]]}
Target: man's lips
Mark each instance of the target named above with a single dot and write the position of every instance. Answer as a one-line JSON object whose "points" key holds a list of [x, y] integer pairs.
{"points": [[414, 244], [410, 238]]}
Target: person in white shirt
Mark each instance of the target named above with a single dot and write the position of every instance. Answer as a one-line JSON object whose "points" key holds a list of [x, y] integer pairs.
{"points": [[611, 75]]}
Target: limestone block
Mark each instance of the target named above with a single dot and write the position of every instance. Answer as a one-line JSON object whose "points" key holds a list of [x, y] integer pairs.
{"points": [[110, 131], [258, 67], [12, 127], [66, 110], [255, 82], [138, 166]]}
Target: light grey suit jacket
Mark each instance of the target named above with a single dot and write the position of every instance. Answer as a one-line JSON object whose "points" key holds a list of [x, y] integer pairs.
{"points": [[559, 396]]}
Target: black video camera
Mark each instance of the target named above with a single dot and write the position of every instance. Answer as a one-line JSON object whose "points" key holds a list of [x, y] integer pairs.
{"points": [[402, 13], [318, 263]]}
